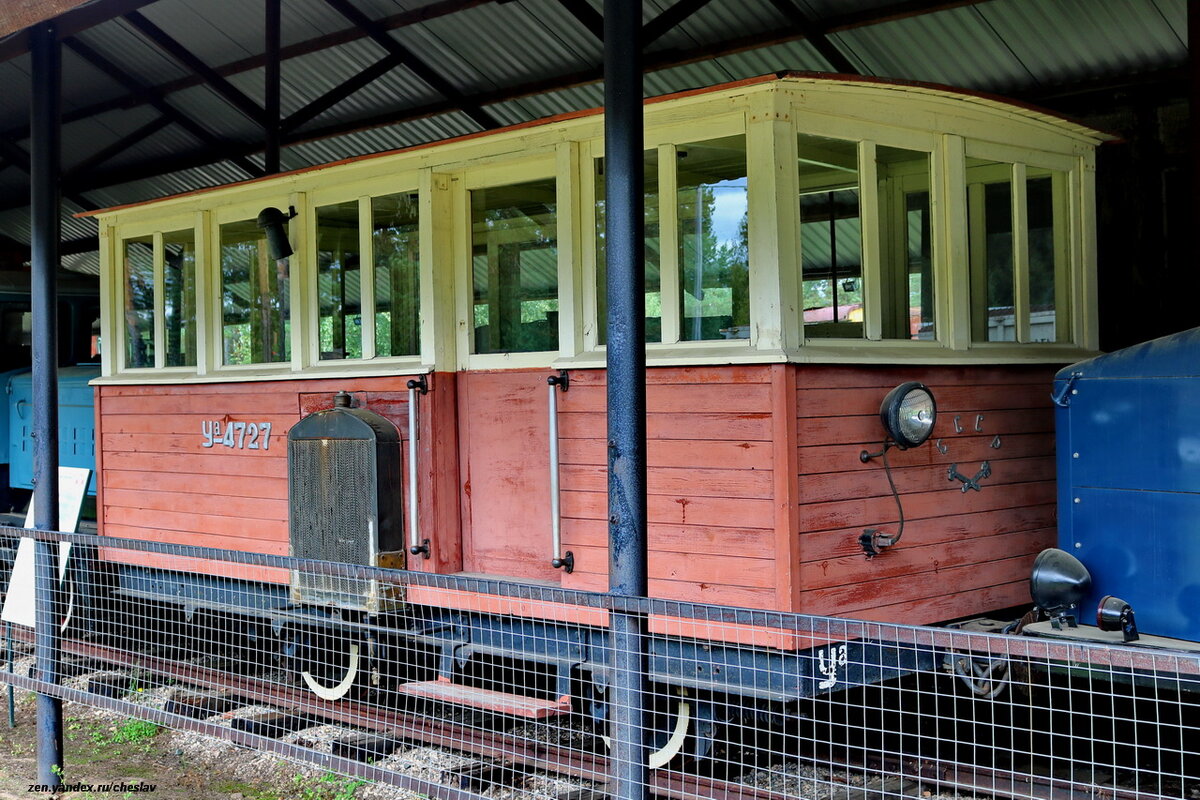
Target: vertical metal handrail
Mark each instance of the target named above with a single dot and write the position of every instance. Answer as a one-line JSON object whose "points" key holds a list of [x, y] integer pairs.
{"points": [[558, 560], [416, 545]]}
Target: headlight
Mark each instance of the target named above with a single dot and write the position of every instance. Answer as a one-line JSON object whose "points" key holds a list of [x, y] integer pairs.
{"points": [[908, 413], [1059, 581]]}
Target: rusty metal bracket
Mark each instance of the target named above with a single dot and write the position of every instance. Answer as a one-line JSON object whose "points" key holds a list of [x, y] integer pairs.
{"points": [[985, 470]]}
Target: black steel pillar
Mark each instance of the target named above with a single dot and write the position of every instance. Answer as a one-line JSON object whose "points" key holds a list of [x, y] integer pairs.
{"points": [[271, 109], [45, 127], [625, 260]]}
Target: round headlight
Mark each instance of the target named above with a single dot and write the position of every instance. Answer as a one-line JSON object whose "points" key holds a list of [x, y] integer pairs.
{"points": [[1059, 580], [908, 413]]}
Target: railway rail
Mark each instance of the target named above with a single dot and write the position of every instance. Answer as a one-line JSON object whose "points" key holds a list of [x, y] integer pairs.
{"points": [[374, 732]]}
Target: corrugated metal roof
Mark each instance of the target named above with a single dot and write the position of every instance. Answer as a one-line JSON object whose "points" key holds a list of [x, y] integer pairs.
{"points": [[999, 46]]}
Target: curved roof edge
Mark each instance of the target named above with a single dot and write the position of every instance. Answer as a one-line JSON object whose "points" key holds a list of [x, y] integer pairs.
{"points": [[992, 101]]}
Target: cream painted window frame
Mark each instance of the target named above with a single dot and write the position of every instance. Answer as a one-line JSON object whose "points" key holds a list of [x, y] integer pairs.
{"points": [[666, 139], [303, 262], [553, 164], [1072, 279], [363, 192], [114, 286]]}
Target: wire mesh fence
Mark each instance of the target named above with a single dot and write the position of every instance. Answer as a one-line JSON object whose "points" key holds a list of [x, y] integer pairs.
{"points": [[451, 686]]}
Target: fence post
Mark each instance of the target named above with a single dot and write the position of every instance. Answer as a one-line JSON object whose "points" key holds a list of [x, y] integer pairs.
{"points": [[625, 260], [45, 130]]}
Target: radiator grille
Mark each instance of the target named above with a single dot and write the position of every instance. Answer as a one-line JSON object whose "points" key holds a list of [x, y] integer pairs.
{"points": [[333, 514]]}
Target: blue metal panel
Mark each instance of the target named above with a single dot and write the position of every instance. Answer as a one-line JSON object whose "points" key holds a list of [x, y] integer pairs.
{"points": [[5, 377], [1129, 479], [76, 419], [1143, 547]]}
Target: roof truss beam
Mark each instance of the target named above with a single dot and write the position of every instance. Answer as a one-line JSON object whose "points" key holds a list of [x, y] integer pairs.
{"points": [[120, 146], [815, 35], [381, 37], [587, 16], [169, 45], [156, 101], [658, 27]]}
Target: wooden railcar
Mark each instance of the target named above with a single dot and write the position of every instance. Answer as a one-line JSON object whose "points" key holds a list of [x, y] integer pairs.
{"points": [[811, 242]]}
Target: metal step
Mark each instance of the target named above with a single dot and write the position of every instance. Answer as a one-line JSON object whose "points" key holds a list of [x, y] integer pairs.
{"points": [[442, 691]]}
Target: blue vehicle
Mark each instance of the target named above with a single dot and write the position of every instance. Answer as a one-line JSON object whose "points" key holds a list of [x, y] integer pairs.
{"points": [[1128, 466], [78, 344]]}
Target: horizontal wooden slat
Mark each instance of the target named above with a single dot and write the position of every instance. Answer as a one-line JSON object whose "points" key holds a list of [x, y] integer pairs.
{"points": [[704, 376], [243, 529], [726, 427], [735, 483], [215, 405], [875, 511], [966, 400], [271, 464], [713, 540], [820, 376], [962, 448], [969, 603], [329, 386], [195, 566], [678, 510], [188, 443], [227, 485], [278, 547], [677, 399], [726, 570], [905, 560], [826, 546], [859, 484], [675, 453], [849, 599], [682, 590], [189, 424], [200, 502], [868, 430]]}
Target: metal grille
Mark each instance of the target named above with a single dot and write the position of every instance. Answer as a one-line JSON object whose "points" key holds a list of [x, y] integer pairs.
{"points": [[484, 688], [332, 483]]}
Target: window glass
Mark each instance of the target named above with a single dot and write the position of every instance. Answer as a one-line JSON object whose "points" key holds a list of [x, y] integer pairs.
{"points": [[139, 302], [906, 251], [714, 262], [653, 242], [1046, 214], [989, 215], [395, 240], [514, 238], [830, 237], [339, 285], [255, 309], [179, 298]]}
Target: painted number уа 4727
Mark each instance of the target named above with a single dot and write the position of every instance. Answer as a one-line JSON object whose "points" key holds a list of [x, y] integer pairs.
{"points": [[236, 435]]}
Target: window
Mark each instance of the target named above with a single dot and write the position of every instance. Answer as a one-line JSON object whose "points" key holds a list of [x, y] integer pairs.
{"points": [[1018, 277], [907, 247], [836, 302], [714, 263], [159, 283], [395, 242], [255, 305], [339, 282], [830, 238], [514, 247], [139, 302], [653, 253]]}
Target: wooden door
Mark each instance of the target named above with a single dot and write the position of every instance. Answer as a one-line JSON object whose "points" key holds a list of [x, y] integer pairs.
{"points": [[504, 449]]}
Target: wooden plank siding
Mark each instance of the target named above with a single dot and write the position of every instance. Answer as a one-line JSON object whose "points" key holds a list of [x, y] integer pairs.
{"points": [[711, 484], [961, 553], [160, 484]]}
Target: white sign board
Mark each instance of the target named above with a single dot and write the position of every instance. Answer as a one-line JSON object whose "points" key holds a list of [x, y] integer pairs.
{"points": [[18, 600]]}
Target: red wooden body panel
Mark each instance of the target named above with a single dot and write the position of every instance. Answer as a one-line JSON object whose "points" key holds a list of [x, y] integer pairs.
{"points": [[961, 553], [757, 495]]}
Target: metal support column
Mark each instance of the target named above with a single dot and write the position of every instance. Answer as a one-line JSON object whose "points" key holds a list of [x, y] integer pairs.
{"points": [[271, 105], [625, 260], [45, 128]]}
